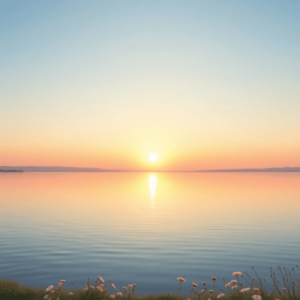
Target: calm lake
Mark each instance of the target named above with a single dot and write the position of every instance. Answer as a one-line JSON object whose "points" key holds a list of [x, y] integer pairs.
{"points": [[146, 228]]}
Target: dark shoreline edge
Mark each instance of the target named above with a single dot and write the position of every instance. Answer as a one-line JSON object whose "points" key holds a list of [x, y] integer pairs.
{"points": [[11, 171]]}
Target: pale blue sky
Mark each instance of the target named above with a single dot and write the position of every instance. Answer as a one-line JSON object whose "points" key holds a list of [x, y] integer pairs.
{"points": [[185, 74]]}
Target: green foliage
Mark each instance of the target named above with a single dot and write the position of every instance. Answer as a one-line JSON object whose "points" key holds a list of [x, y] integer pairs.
{"points": [[10, 290]]}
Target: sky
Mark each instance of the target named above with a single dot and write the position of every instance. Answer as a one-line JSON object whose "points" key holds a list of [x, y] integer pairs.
{"points": [[205, 84]]}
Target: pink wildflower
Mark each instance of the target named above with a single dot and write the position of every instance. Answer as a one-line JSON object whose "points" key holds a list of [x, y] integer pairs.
{"points": [[99, 288], [101, 279], [245, 290], [227, 284], [237, 274], [214, 278], [113, 286], [194, 284], [181, 279], [221, 295], [71, 293], [49, 288], [256, 297]]}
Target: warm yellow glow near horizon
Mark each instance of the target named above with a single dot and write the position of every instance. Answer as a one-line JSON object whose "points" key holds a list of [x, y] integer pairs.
{"points": [[153, 157], [280, 191]]}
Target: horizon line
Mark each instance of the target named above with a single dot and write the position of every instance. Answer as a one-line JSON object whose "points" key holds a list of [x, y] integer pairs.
{"points": [[45, 169]]}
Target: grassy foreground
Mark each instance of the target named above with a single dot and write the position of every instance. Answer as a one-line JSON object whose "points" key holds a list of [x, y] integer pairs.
{"points": [[242, 286]]}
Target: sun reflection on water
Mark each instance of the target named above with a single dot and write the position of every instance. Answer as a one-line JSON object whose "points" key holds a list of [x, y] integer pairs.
{"points": [[152, 185]]}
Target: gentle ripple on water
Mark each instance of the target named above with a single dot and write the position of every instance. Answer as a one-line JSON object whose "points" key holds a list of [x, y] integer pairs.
{"points": [[72, 226]]}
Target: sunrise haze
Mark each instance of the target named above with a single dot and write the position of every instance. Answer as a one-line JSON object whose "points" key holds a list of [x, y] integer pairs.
{"points": [[204, 84]]}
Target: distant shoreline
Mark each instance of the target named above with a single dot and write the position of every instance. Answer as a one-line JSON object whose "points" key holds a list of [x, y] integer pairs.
{"points": [[11, 171], [97, 170]]}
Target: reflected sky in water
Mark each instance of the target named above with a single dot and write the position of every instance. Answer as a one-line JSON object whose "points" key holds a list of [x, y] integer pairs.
{"points": [[146, 228]]}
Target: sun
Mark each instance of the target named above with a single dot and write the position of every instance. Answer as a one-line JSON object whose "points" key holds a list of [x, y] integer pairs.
{"points": [[152, 157]]}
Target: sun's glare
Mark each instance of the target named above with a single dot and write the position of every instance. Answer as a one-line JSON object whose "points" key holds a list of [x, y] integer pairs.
{"points": [[152, 156]]}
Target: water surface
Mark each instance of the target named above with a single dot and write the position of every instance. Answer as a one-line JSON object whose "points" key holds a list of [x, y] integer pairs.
{"points": [[146, 228]]}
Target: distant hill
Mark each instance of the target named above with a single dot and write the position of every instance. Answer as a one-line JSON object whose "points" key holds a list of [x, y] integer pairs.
{"points": [[286, 169], [58, 169], [11, 171], [74, 169]]}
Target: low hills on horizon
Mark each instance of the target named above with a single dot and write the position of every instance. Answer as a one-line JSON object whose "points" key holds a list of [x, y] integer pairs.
{"points": [[75, 169], [14, 171]]}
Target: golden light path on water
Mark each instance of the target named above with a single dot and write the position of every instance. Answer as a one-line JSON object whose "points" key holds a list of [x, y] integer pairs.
{"points": [[152, 185]]}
